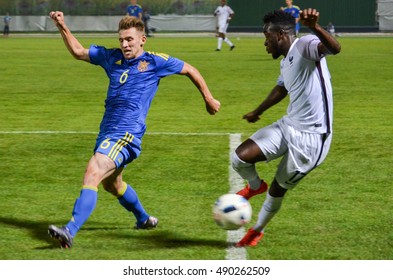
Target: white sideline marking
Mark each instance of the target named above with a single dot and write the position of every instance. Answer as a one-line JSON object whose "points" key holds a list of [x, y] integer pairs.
{"points": [[235, 183]]}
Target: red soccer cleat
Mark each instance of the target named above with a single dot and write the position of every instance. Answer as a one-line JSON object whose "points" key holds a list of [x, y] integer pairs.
{"points": [[251, 238], [247, 192]]}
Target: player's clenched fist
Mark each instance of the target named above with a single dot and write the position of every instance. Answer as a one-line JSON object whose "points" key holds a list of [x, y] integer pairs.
{"points": [[309, 17], [58, 17]]}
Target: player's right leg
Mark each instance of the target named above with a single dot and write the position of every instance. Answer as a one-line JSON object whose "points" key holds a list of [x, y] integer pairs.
{"points": [[243, 162], [264, 145]]}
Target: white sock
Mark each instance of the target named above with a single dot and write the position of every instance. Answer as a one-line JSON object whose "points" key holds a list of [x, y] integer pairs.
{"points": [[270, 207], [219, 43], [226, 40]]}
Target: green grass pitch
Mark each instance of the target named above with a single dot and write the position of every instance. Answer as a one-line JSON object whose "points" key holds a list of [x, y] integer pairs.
{"points": [[342, 210]]}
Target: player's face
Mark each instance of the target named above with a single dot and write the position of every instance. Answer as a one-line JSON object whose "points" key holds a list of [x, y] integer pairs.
{"points": [[271, 44], [131, 42]]}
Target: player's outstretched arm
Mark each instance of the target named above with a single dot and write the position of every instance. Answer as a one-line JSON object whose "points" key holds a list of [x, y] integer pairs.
{"points": [[212, 105], [329, 45], [277, 94], [72, 44]]}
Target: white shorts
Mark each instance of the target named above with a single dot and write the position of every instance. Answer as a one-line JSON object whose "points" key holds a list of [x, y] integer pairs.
{"points": [[222, 28], [301, 151]]}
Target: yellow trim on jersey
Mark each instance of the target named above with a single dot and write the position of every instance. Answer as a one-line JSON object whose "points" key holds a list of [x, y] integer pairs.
{"points": [[113, 153], [90, 188], [162, 55]]}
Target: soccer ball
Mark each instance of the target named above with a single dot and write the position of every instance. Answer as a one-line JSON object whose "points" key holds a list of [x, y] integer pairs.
{"points": [[232, 211]]}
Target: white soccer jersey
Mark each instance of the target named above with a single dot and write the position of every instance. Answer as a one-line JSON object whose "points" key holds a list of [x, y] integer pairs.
{"points": [[305, 75], [223, 13]]}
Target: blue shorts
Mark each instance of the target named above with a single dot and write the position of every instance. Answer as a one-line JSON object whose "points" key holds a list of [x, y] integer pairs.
{"points": [[121, 149]]}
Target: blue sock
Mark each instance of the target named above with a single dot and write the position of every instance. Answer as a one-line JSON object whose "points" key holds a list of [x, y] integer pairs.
{"points": [[129, 200], [83, 208]]}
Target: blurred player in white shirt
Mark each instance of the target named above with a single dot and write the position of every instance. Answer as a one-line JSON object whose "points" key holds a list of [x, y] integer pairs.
{"points": [[224, 14], [302, 137]]}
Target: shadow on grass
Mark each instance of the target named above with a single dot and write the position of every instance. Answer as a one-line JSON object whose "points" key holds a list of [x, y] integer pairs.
{"points": [[169, 239], [156, 238], [38, 230]]}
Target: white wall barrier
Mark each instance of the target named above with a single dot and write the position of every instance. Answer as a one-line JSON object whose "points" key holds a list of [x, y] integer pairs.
{"points": [[110, 23], [385, 15]]}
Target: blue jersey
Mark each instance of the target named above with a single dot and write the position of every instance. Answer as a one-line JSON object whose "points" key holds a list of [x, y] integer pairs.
{"points": [[7, 20], [132, 85], [134, 10], [295, 12]]}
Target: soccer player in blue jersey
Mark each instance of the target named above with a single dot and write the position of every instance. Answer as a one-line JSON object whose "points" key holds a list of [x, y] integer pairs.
{"points": [[134, 75], [294, 11], [134, 9]]}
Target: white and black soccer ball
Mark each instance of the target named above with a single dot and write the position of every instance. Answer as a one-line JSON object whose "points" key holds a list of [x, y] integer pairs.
{"points": [[232, 211]]}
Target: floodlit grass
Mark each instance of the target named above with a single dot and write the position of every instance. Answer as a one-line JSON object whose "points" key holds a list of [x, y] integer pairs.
{"points": [[342, 210]]}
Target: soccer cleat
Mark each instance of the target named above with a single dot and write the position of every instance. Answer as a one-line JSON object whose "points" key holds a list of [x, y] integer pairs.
{"points": [[62, 234], [251, 238], [150, 223], [247, 192], [217, 50], [232, 47]]}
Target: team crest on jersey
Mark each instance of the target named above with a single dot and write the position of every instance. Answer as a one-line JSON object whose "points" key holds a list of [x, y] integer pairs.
{"points": [[290, 60], [142, 66]]}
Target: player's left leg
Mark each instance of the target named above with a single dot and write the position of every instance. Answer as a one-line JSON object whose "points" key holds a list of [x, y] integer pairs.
{"points": [[128, 198], [226, 40], [270, 207], [223, 32]]}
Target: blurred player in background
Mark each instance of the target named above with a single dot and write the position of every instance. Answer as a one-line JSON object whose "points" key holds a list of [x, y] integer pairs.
{"points": [[330, 28], [302, 137], [146, 19], [224, 14], [134, 9], [7, 20], [294, 11], [134, 76]]}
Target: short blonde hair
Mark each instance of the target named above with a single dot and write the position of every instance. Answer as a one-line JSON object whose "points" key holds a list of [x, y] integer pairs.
{"points": [[128, 22]]}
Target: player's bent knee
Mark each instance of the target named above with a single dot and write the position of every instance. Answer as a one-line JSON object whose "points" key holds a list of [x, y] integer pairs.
{"points": [[238, 163], [276, 190], [110, 187], [117, 189]]}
